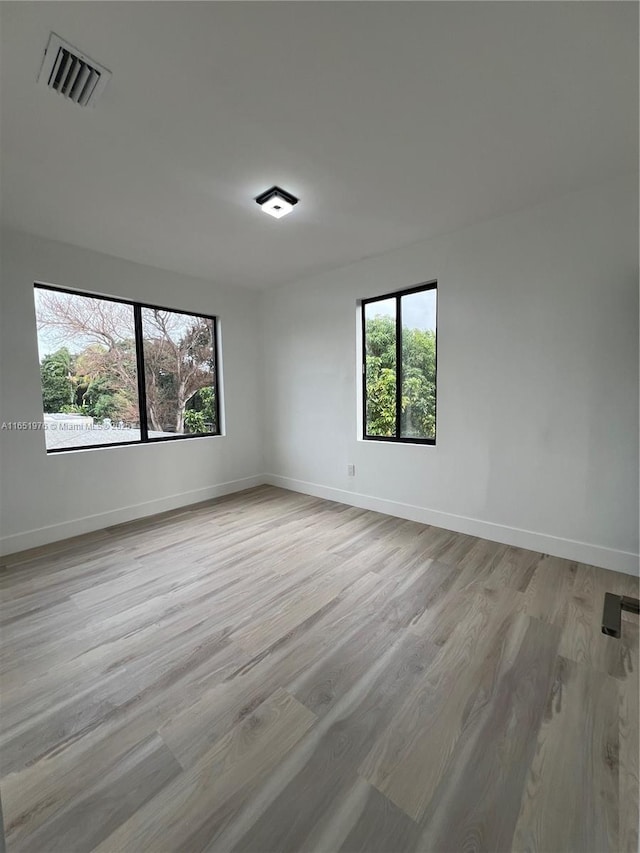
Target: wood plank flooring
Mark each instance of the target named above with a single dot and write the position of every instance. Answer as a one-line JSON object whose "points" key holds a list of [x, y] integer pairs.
{"points": [[271, 672]]}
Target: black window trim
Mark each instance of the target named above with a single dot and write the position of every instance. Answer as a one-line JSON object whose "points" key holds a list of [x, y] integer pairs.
{"points": [[142, 393], [397, 295]]}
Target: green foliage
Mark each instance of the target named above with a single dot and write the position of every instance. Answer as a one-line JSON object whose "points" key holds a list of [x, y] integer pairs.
{"points": [[102, 398], [194, 421], [418, 401], [418, 383], [55, 374], [200, 412], [381, 399], [381, 376], [86, 384]]}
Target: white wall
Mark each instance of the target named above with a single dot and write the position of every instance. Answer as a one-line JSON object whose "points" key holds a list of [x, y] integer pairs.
{"points": [[537, 388], [537, 415], [48, 497]]}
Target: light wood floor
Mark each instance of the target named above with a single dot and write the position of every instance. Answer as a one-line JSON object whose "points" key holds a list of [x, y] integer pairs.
{"points": [[272, 672]]}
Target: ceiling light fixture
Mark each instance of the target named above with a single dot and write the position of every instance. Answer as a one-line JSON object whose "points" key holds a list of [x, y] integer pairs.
{"points": [[276, 202]]}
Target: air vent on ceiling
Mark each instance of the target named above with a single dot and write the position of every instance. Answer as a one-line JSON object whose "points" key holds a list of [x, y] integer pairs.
{"points": [[71, 73]]}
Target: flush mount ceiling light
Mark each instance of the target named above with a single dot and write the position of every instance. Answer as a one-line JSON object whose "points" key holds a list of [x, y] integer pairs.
{"points": [[276, 202]]}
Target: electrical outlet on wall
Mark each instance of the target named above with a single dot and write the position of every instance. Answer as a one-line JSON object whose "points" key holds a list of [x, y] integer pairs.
{"points": [[351, 470]]}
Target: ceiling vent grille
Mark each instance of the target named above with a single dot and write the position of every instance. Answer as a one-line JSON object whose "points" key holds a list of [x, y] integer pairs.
{"points": [[71, 73]]}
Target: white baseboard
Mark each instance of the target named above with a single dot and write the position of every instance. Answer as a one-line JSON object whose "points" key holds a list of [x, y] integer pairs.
{"points": [[581, 552], [90, 523]]}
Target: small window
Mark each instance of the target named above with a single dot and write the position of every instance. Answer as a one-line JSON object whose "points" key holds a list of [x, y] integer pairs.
{"points": [[116, 372], [399, 366]]}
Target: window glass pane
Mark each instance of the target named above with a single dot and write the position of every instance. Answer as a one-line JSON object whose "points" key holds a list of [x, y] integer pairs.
{"points": [[87, 355], [380, 343], [418, 312], [179, 360]]}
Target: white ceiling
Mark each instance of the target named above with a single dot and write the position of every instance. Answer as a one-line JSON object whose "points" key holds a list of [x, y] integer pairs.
{"points": [[392, 122]]}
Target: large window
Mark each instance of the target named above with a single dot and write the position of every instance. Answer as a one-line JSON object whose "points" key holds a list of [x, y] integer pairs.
{"points": [[399, 366], [117, 372]]}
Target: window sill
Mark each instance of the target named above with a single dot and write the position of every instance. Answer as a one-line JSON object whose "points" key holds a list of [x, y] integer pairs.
{"points": [[403, 442], [56, 451]]}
